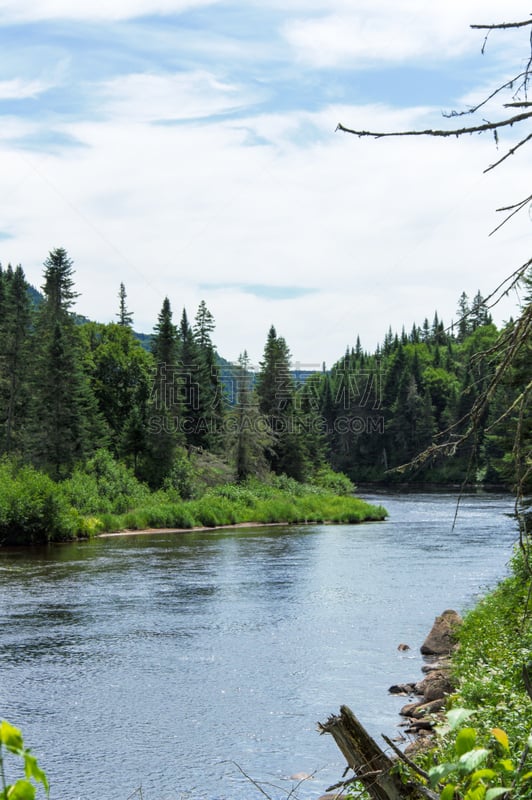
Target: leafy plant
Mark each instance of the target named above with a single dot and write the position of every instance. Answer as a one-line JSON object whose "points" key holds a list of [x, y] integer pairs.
{"points": [[480, 770], [11, 741]]}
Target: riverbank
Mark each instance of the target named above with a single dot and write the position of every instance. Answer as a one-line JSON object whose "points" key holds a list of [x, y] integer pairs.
{"points": [[107, 498], [232, 506], [204, 528]]}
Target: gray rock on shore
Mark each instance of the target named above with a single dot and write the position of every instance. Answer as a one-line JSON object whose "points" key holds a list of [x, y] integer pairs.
{"points": [[442, 637]]}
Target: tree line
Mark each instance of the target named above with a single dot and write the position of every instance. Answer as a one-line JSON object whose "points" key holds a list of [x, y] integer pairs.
{"points": [[69, 387]]}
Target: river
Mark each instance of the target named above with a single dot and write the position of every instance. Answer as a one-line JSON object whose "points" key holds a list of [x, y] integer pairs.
{"points": [[175, 662]]}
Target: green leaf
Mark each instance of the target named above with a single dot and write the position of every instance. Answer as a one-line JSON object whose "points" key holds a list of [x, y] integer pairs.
{"points": [[507, 764], [32, 770], [447, 792], [501, 737], [496, 791], [465, 741], [456, 716], [440, 771], [473, 759], [483, 775], [21, 790], [526, 776], [476, 793], [11, 737]]}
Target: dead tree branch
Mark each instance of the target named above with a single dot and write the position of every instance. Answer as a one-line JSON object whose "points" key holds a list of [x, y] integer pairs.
{"points": [[372, 767], [487, 126]]}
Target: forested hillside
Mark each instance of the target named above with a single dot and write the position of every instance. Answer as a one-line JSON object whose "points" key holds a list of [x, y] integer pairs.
{"points": [[69, 387]]}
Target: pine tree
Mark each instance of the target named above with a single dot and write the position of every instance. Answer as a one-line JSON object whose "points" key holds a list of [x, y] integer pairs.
{"points": [[125, 317], [165, 411], [66, 425], [14, 343], [464, 323], [209, 380], [276, 391], [250, 438], [193, 399]]}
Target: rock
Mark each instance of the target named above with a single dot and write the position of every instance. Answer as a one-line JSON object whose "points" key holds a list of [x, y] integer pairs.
{"points": [[441, 639], [440, 664], [423, 709], [435, 685], [301, 776], [409, 709], [402, 688], [403, 647]]}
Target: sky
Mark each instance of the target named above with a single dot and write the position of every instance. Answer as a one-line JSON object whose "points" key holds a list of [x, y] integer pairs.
{"points": [[188, 148]]}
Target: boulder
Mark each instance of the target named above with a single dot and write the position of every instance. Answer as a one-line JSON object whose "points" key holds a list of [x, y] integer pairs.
{"points": [[434, 686], [410, 709], [441, 639]]}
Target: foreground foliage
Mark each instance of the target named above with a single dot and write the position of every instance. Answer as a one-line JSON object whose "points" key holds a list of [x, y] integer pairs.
{"points": [[484, 750], [11, 742]]}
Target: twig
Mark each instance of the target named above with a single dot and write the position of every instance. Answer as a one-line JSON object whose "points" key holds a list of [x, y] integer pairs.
{"points": [[254, 782], [413, 766]]}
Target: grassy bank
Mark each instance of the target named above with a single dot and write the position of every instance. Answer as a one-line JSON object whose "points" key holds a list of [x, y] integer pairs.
{"points": [[487, 752], [105, 497]]}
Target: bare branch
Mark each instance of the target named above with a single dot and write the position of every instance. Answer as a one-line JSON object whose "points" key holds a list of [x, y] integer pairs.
{"points": [[516, 208], [399, 753], [502, 25], [487, 126], [508, 85], [509, 153]]}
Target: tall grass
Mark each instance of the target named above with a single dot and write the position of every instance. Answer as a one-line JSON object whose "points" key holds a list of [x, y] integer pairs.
{"points": [[106, 496]]}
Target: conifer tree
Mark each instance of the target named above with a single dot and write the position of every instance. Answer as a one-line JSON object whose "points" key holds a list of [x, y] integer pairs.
{"points": [[14, 342], [250, 437], [125, 317], [208, 375], [165, 409], [66, 425]]}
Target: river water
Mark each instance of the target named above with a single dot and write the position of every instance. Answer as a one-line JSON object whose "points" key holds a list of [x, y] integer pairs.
{"points": [[175, 663]]}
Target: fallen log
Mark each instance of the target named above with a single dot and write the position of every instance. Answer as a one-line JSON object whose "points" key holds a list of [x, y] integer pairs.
{"points": [[371, 766]]}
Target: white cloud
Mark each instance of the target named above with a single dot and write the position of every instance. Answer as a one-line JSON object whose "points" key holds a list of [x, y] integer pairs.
{"points": [[382, 32], [19, 89], [26, 10], [386, 231], [181, 96]]}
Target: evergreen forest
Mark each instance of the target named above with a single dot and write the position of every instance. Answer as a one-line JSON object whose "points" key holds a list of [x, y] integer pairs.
{"points": [[167, 405]]}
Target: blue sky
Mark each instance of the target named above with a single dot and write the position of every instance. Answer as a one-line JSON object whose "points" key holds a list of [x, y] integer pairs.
{"points": [[188, 148]]}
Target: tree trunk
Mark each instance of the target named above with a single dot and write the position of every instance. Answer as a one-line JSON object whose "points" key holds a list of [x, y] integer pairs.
{"points": [[372, 767]]}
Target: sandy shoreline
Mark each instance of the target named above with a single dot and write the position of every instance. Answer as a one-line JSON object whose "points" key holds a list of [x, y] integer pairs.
{"points": [[150, 531]]}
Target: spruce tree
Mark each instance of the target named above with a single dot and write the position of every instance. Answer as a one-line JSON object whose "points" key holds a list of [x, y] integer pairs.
{"points": [[66, 425], [250, 438], [14, 345], [209, 380], [164, 432], [125, 317]]}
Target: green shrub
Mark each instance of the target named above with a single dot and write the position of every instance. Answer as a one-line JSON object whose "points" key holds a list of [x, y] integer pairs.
{"points": [[335, 482], [104, 485], [32, 510]]}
